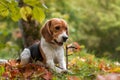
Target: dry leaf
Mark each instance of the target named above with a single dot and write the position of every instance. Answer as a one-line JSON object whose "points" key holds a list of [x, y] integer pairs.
{"points": [[104, 66], [14, 73], [47, 76], [12, 62], [14, 70], [73, 78], [73, 47], [117, 69], [5, 75], [28, 73], [111, 76]]}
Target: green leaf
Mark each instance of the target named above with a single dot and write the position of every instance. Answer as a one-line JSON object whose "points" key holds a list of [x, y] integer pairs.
{"points": [[4, 13], [3, 9], [38, 14], [2, 70], [25, 12], [14, 14], [32, 2], [39, 3], [10, 8]]}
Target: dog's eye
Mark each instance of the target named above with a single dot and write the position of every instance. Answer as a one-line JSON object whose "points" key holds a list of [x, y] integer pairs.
{"points": [[57, 27]]}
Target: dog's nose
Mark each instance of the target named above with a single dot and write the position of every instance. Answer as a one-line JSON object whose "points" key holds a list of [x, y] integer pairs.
{"points": [[64, 38]]}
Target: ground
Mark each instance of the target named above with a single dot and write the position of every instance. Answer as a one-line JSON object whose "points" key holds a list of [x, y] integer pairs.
{"points": [[81, 65]]}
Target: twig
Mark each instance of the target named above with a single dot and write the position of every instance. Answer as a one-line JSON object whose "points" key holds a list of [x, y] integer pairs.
{"points": [[67, 54]]}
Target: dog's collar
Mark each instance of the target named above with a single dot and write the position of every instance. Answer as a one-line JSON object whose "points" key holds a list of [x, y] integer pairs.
{"points": [[54, 42]]}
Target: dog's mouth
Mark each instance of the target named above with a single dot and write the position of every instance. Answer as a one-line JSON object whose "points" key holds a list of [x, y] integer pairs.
{"points": [[59, 43]]}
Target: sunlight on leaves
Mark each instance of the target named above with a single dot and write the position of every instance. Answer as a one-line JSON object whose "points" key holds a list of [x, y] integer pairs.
{"points": [[117, 69], [25, 12], [38, 14], [75, 60], [3, 9], [32, 2]]}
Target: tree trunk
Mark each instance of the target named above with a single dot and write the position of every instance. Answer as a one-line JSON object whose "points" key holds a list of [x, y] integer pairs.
{"points": [[30, 29]]}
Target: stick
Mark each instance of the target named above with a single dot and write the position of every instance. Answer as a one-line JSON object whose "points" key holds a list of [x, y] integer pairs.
{"points": [[66, 56]]}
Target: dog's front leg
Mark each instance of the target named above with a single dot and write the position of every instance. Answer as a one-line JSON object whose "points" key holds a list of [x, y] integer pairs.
{"points": [[50, 64], [61, 60], [25, 56], [62, 64]]}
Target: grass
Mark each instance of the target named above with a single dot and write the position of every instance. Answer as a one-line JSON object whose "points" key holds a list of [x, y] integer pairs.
{"points": [[87, 66], [82, 65], [8, 54]]}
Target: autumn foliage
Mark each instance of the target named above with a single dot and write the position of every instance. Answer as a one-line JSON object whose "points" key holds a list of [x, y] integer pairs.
{"points": [[81, 66], [13, 70]]}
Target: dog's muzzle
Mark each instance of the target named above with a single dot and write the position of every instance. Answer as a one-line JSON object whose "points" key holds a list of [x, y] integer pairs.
{"points": [[64, 38]]}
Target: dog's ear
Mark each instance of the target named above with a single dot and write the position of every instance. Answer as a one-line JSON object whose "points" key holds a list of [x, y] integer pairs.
{"points": [[45, 31]]}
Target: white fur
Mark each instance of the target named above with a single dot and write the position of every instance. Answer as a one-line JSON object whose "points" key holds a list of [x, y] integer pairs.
{"points": [[25, 56], [60, 39], [53, 53]]}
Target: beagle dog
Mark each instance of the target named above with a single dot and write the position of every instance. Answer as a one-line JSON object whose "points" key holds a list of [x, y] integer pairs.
{"points": [[53, 34]]}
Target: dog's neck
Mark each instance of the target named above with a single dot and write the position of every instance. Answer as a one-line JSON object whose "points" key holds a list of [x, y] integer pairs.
{"points": [[45, 43]]}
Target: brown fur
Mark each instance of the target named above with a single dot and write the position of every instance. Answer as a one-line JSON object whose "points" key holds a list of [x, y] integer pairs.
{"points": [[49, 31]]}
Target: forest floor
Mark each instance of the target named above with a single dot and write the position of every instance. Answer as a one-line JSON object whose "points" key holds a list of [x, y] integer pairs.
{"points": [[81, 66]]}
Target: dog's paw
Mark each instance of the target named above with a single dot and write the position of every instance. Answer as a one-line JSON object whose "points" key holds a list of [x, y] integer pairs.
{"points": [[70, 72], [64, 71], [67, 72]]}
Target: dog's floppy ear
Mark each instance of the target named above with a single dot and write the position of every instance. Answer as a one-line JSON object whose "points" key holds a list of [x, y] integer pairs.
{"points": [[45, 31]]}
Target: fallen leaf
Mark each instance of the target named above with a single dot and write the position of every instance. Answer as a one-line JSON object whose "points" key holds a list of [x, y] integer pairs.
{"points": [[73, 78], [47, 76], [28, 73], [12, 62], [73, 47], [12, 70], [14, 73], [111, 76], [5, 75], [117, 69], [103, 66]]}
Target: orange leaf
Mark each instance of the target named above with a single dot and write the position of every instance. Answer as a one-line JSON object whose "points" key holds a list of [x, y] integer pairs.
{"points": [[73, 47], [117, 69], [103, 66], [47, 76], [28, 73], [5, 75], [12, 62], [73, 78], [14, 73]]}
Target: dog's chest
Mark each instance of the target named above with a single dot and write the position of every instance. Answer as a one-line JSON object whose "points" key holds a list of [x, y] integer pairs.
{"points": [[56, 51], [52, 52]]}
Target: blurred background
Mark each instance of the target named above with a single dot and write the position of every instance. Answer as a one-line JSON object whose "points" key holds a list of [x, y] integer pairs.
{"points": [[92, 23]]}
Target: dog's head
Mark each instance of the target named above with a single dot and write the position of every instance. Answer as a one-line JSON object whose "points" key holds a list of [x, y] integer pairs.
{"points": [[56, 31]]}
